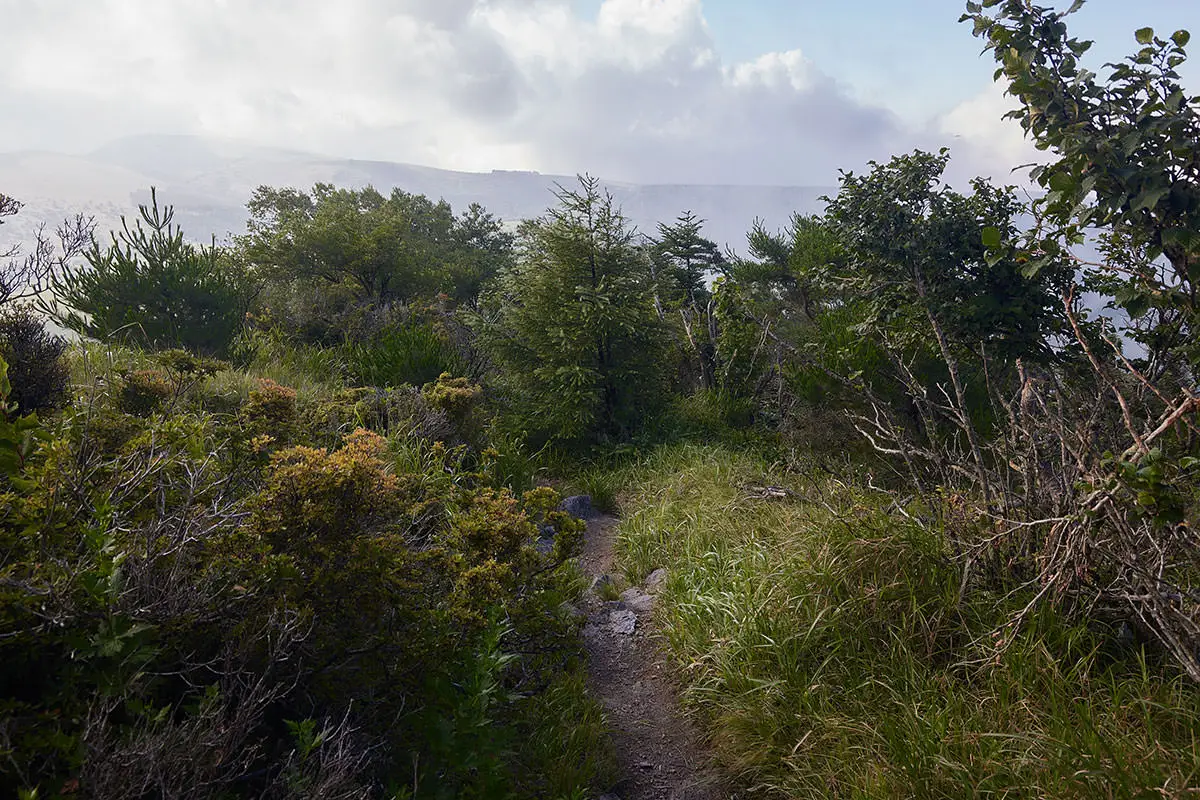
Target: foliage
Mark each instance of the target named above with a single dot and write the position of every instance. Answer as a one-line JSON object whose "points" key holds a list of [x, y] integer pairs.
{"points": [[396, 248], [37, 367], [690, 257], [825, 644], [1124, 150], [915, 251], [334, 620], [413, 352], [683, 262], [575, 331], [1124, 163], [19, 433], [152, 287]]}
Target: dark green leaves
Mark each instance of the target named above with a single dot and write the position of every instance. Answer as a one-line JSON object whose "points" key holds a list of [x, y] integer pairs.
{"points": [[1144, 35]]}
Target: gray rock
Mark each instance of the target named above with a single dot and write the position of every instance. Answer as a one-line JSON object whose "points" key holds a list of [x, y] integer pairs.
{"points": [[569, 610], [609, 796], [544, 544], [656, 580], [637, 600], [579, 506], [623, 622]]}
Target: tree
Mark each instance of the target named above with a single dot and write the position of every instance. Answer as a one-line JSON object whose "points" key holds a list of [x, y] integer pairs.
{"points": [[383, 247], [690, 257], [914, 246], [575, 327], [1125, 161], [684, 261], [916, 260], [152, 287], [396, 248], [23, 277], [482, 250]]}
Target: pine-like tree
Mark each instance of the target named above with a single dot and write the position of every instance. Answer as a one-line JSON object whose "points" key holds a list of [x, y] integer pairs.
{"points": [[575, 325], [154, 288]]}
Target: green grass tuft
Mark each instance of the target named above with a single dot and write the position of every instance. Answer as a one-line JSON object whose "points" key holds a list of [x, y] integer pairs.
{"points": [[822, 642]]}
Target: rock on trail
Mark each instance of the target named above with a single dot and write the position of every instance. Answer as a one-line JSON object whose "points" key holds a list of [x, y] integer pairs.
{"points": [[659, 753]]}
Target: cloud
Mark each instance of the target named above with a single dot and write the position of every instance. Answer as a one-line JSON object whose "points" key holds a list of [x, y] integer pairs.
{"points": [[984, 142], [637, 93]]}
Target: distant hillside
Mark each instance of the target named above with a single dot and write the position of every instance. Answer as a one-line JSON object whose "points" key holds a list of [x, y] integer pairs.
{"points": [[210, 181]]}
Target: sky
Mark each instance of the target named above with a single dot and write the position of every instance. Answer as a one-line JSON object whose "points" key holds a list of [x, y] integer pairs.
{"points": [[648, 91]]}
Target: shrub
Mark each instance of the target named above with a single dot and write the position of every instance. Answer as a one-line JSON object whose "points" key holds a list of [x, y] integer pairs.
{"points": [[36, 365], [411, 352], [271, 409], [145, 391], [324, 618], [152, 287]]}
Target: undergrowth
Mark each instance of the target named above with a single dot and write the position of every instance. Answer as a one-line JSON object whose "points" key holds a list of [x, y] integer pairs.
{"points": [[827, 646], [324, 591]]}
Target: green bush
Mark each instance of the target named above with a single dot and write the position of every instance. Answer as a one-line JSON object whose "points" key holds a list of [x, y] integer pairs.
{"points": [[37, 367], [365, 619], [153, 288], [409, 353]]}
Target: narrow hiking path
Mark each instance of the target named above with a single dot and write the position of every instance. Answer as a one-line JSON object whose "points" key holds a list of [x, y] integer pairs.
{"points": [[659, 753]]}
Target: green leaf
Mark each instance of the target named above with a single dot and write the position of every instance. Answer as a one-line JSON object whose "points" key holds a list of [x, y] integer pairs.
{"points": [[1144, 35], [1148, 198], [1062, 182], [1181, 38], [991, 237]]}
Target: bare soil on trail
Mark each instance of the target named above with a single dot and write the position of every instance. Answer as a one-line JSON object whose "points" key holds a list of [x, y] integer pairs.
{"points": [[659, 754]]}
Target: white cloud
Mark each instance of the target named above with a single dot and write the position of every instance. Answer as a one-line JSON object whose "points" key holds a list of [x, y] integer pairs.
{"points": [[984, 141], [638, 93]]}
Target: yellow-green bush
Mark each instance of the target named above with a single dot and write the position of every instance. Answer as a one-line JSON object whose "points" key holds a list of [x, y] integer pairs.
{"points": [[321, 606]]}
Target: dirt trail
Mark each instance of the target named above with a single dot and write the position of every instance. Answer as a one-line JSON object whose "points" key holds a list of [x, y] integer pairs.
{"points": [[659, 754]]}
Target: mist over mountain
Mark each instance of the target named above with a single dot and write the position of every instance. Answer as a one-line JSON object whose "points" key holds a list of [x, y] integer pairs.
{"points": [[209, 181]]}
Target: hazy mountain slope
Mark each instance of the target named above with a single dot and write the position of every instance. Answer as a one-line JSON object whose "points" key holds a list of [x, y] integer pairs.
{"points": [[209, 182]]}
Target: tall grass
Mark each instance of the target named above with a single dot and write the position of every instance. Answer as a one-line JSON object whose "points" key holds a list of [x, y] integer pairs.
{"points": [[824, 645], [410, 353]]}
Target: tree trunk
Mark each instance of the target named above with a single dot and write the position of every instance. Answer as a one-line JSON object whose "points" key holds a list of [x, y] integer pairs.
{"points": [[959, 393]]}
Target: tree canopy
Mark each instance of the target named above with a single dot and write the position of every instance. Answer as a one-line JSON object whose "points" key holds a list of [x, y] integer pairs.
{"points": [[576, 329], [395, 248]]}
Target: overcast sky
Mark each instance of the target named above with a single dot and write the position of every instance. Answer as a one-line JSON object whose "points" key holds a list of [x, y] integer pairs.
{"points": [[689, 91]]}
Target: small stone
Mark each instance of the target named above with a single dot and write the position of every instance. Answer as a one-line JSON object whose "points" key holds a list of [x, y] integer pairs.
{"points": [[579, 506], [656, 580], [623, 622], [637, 600]]}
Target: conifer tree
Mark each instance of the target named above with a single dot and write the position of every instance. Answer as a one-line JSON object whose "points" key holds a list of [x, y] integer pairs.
{"points": [[575, 326], [154, 288], [685, 261]]}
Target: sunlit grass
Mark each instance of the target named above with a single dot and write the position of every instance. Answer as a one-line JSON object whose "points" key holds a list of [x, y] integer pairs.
{"points": [[822, 643]]}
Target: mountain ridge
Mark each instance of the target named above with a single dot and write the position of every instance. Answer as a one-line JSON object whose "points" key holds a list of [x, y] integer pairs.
{"points": [[209, 182]]}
